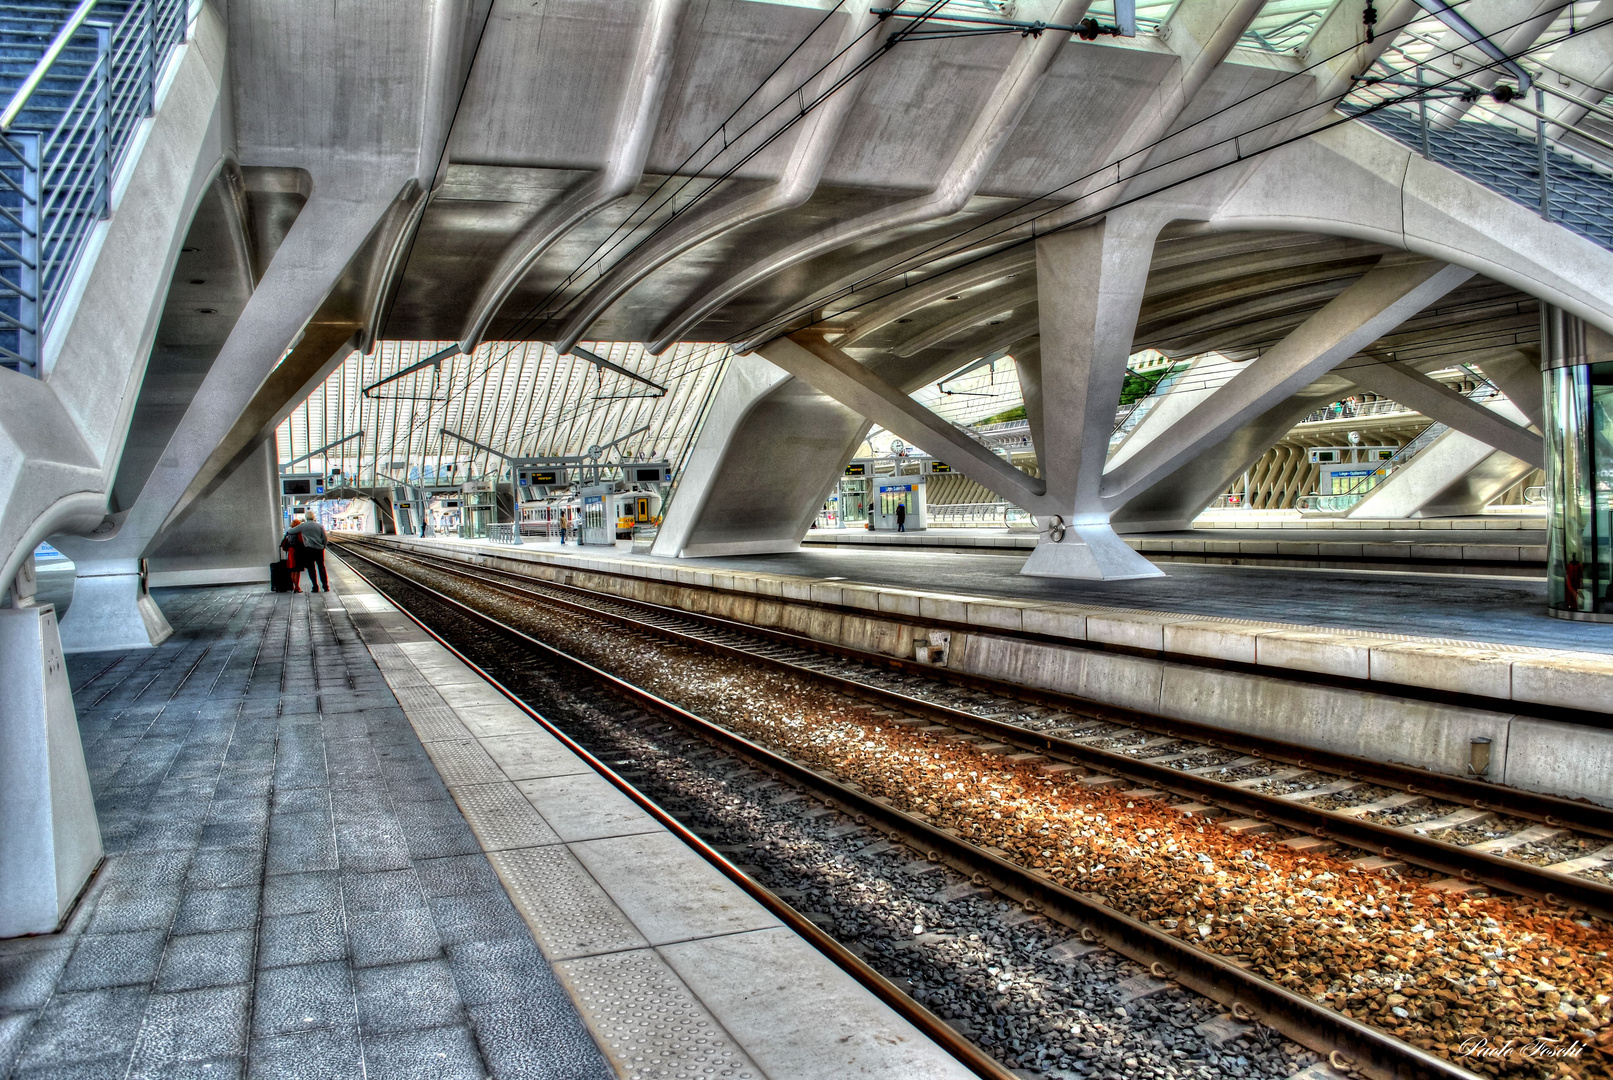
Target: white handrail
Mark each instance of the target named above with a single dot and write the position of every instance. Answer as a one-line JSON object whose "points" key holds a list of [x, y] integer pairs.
{"points": [[19, 100]]}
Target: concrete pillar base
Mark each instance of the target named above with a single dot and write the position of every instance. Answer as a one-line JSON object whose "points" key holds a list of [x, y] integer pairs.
{"points": [[112, 610], [50, 841], [1091, 553]]}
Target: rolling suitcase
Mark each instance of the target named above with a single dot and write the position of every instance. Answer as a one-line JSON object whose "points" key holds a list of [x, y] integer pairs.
{"points": [[279, 577]]}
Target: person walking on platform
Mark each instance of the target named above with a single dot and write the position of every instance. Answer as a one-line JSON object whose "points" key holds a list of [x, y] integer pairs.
{"points": [[312, 556], [291, 544], [901, 517]]}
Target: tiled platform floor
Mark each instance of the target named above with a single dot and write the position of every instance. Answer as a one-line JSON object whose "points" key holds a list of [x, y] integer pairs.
{"points": [[289, 890]]}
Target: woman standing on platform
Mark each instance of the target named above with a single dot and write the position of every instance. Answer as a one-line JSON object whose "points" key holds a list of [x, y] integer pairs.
{"points": [[291, 544]]}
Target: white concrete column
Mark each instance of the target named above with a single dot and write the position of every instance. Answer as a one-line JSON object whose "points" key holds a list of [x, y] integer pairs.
{"points": [[50, 841], [747, 379], [768, 455], [231, 535], [112, 607], [1090, 288]]}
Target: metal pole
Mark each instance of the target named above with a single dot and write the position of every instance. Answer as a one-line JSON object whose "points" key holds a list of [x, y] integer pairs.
{"points": [[1422, 113], [1540, 153]]}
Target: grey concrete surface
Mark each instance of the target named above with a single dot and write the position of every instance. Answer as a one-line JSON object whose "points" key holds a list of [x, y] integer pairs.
{"points": [[49, 841], [289, 890], [1507, 611]]}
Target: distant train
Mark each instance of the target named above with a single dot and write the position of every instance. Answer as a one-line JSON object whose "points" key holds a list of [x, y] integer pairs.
{"points": [[546, 517]]}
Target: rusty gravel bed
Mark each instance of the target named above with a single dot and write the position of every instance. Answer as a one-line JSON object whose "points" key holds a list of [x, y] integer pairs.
{"points": [[1519, 869], [1319, 938]]}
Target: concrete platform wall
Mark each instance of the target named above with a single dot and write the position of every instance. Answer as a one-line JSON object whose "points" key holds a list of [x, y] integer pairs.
{"points": [[1077, 651]]}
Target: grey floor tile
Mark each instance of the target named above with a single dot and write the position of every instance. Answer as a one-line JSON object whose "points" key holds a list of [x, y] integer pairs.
{"points": [[301, 998], [308, 938], [476, 917], [393, 937], [27, 979], [403, 997], [226, 868], [102, 961], [192, 1028], [489, 971], [301, 842], [198, 961], [537, 1038], [444, 1053], [84, 1027], [14, 1028], [386, 890], [326, 1054], [108, 1067], [301, 801], [457, 875], [233, 1068], [233, 834], [204, 911]]}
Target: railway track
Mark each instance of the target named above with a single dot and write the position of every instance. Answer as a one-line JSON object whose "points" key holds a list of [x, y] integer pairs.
{"points": [[1520, 842], [1307, 1021]]}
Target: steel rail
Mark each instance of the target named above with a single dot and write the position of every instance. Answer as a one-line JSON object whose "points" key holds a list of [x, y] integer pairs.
{"points": [[1366, 1049], [1535, 806], [936, 1029], [1493, 871]]}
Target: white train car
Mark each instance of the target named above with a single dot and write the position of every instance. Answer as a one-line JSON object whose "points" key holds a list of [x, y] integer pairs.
{"points": [[558, 517]]}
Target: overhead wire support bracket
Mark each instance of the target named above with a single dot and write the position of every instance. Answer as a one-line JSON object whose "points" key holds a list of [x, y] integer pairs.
{"points": [[322, 449], [433, 360], [1442, 11], [606, 365], [480, 446], [1087, 29]]}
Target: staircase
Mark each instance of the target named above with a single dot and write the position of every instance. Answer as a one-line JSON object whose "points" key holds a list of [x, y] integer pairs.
{"points": [[62, 149]]}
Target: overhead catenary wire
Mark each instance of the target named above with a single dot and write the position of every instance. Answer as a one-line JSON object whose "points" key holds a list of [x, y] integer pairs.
{"points": [[538, 311], [894, 271]]}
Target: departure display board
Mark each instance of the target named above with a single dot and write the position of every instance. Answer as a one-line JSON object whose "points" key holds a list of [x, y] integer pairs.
{"points": [[857, 468]]}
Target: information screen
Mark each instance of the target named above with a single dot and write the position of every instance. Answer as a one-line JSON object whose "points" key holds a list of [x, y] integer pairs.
{"points": [[857, 469]]}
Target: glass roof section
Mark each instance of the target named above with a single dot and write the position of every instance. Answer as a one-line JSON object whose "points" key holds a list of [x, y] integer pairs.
{"points": [[520, 398]]}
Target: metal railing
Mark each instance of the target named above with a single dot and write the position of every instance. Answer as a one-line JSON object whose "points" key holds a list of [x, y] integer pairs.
{"points": [[63, 135], [976, 515], [1506, 139], [504, 534]]}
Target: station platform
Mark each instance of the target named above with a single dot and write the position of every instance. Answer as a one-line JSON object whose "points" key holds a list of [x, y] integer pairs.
{"points": [[333, 850], [1499, 546], [1399, 667]]}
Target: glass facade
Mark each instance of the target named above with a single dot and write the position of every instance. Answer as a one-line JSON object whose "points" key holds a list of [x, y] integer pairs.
{"points": [[1579, 469]]}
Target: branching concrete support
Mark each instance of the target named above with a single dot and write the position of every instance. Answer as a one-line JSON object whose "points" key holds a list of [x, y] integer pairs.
{"points": [[1091, 287], [1439, 402], [1519, 379], [1391, 293], [633, 131], [826, 368], [972, 161], [1174, 501]]}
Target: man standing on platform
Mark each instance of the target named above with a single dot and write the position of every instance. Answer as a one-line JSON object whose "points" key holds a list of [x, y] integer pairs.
{"points": [[312, 556]]}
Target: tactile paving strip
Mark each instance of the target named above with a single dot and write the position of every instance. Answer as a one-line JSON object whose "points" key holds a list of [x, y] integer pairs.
{"points": [[463, 761], [648, 1023], [429, 713], [502, 818], [568, 912]]}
